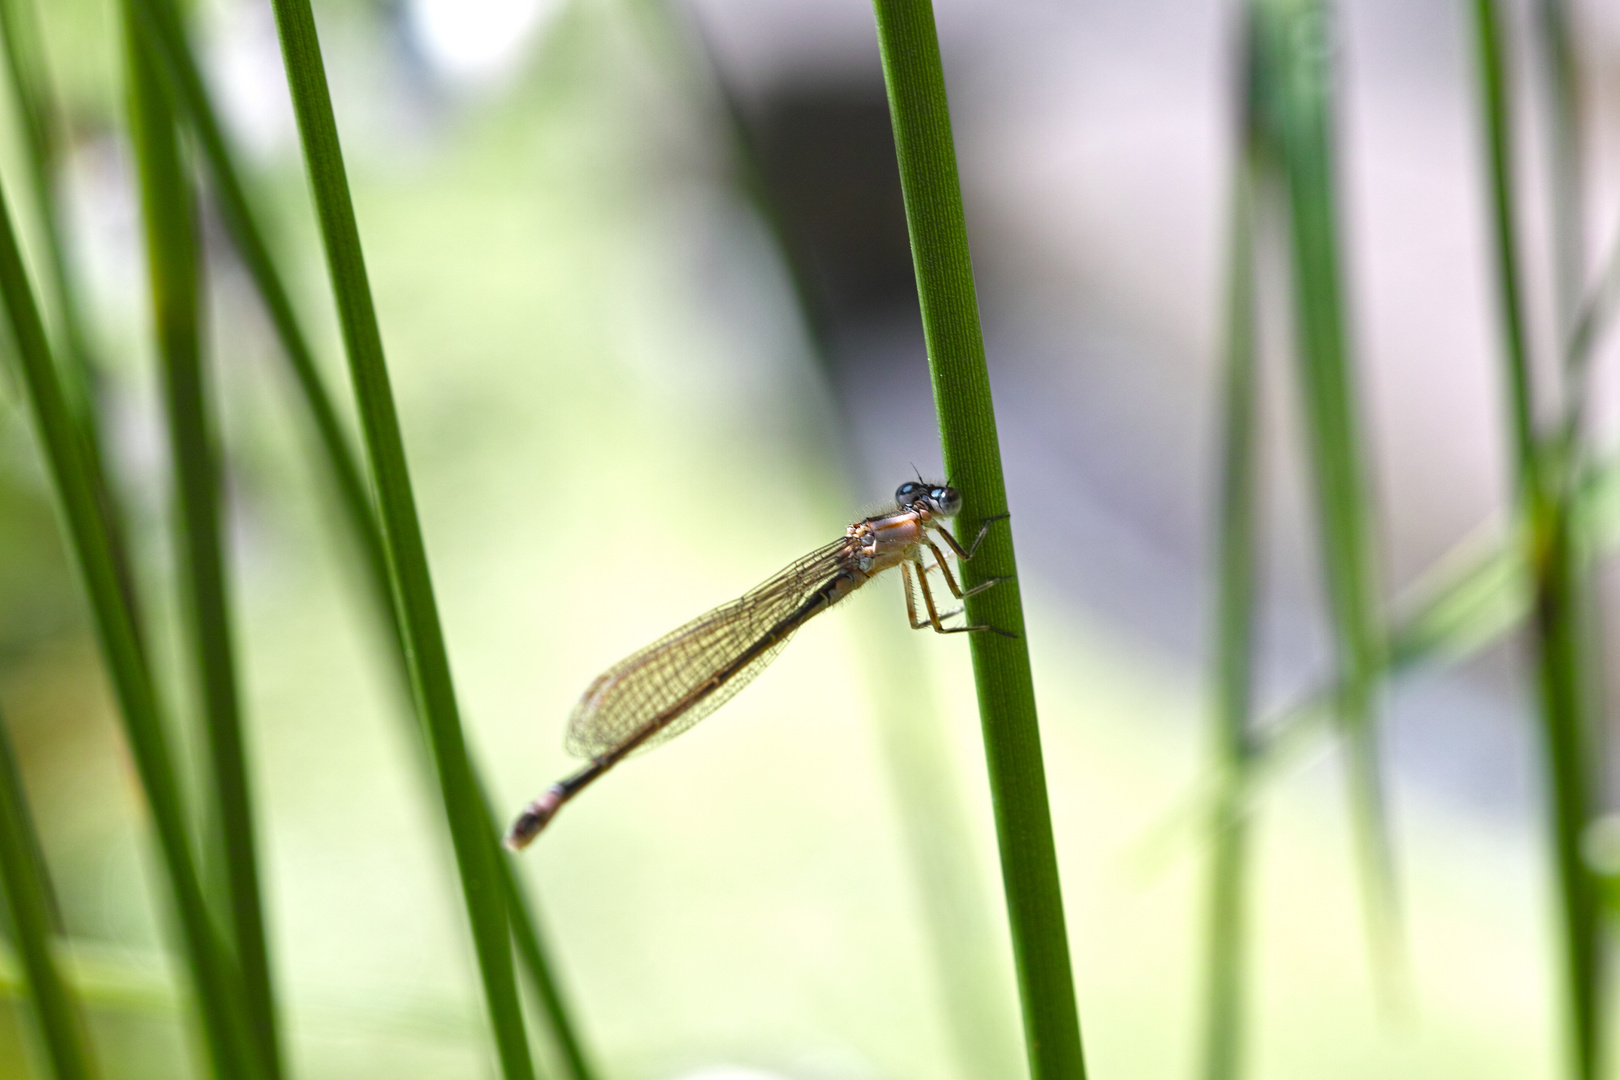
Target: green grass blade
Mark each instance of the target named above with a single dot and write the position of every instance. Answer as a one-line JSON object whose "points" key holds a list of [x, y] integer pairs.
{"points": [[1470, 599], [80, 375], [167, 32], [1232, 714], [536, 957], [1595, 314], [42, 143], [1509, 300], [933, 199], [1297, 53], [934, 829], [158, 20], [65, 454], [1572, 766], [173, 255], [1554, 41], [56, 1008], [1556, 572], [430, 663]]}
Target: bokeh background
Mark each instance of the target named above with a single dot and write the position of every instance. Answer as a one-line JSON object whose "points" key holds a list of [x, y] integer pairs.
{"points": [[629, 395]]}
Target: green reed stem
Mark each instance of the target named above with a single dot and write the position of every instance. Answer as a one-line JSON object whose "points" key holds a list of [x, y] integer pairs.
{"points": [[160, 22], [1295, 43], [1555, 571], [173, 263], [42, 156], [56, 1008], [407, 553], [214, 983], [933, 198], [536, 957], [1554, 41], [80, 375], [1233, 709], [1469, 599], [933, 825]]}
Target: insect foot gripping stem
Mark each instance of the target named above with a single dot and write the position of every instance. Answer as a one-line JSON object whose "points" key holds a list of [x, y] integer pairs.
{"points": [[534, 817]]}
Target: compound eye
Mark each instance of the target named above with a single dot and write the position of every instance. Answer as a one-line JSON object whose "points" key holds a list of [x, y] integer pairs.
{"points": [[906, 493], [948, 499]]}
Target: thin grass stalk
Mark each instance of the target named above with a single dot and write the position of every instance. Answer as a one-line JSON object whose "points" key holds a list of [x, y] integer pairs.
{"points": [[1596, 312], [214, 983], [173, 264], [535, 954], [1473, 596], [933, 827], [413, 589], [1572, 767], [42, 156], [1232, 713], [1553, 562], [1488, 42], [1295, 40], [161, 23], [1554, 43], [1471, 599], [57, 1013], [933, 197]]}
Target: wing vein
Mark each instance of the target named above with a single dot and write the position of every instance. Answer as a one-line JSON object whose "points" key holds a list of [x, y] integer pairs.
{"points": [[647, 688]]}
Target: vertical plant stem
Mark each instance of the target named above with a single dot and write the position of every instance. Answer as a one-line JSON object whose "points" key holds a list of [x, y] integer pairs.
{"points": [[1555, 44], [1234, 646], [162, 25], [1504, 234], [536, 957], [42, 155], [1296, 40], [57, 1013], [934, 215], [1541, 469], [214, 984], [915, 753], [413, 589], [173, 253], [1572, 764]]}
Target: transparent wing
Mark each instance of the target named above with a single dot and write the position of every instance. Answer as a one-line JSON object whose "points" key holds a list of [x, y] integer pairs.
{"points": [[669, 686]]}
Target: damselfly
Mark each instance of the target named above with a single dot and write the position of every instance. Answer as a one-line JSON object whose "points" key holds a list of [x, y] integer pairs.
{"points": [[653, 695]]}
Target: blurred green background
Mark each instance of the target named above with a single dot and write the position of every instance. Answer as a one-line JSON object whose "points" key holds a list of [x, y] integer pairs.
{"points": [[625, 401]]}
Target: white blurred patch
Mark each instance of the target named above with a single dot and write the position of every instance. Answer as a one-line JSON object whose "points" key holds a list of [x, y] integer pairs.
{"points": [[729, 1072], [475, 41], [243, 58]]}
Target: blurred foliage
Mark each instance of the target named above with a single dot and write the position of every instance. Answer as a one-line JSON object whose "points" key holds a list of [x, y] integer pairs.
{"points": [[37, 591]]}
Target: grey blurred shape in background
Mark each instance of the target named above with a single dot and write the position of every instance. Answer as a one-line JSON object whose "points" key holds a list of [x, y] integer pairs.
{"points": [[1093, 140]]}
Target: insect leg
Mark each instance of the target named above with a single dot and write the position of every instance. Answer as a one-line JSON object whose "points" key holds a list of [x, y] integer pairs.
{"points": [[950, 579], [911, 603], [967, 552], [934, 616]]}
